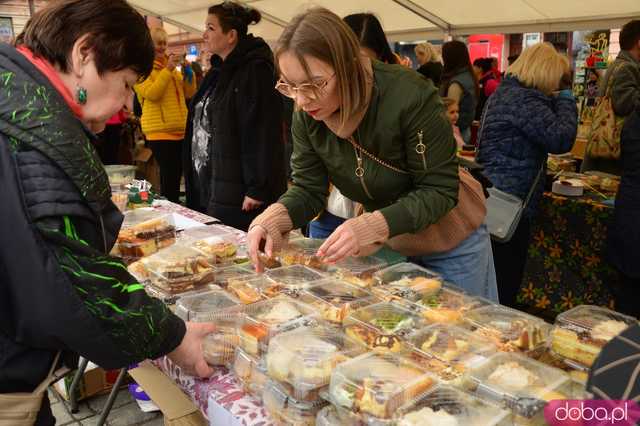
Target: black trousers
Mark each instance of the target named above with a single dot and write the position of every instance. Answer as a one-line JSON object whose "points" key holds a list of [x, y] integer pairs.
{"points": [[626, 295], [110, 144], [510, 259], [168, 154]]}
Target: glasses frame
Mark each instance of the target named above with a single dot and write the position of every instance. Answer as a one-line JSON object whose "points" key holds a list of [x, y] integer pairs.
{"points": [[316, 90]]}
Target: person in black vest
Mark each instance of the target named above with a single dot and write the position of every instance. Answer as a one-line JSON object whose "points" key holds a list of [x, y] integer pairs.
{"points": [[430, 62], [234, 155]]}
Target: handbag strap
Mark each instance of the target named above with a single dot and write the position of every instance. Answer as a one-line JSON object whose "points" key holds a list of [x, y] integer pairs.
{"points": [[51, 377]]}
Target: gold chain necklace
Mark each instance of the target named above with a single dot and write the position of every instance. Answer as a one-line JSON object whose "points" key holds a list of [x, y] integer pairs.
{"points": [[359, 150]]}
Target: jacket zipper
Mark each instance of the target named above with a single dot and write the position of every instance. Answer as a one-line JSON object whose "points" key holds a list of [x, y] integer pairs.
{"points": [[421, 149], [360, 173]]}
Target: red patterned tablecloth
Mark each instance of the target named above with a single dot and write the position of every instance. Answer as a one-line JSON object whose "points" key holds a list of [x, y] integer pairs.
{"points": [[222, 388], [169, 207]]}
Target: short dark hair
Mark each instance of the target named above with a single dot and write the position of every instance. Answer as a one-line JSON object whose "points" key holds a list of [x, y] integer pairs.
{"points": [[117, 34], [485, 64], [630, 34], [368, 29], [235, 16]]}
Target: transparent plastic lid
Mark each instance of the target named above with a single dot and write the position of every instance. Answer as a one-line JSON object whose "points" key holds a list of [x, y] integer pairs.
{"points": [[213, 241], [445, 405], [228, 273], [306, 356], [580, 333], [381, 326], [170, 298], [250, 371], [288, 410], [294, 277], [175, 269], [335, 299], [407, 276], [120, 174], [144, 232], [264, 319], [511, 330], [249, 289], [219, 348], [377, 385], [358, 270], [520, 383], [146, 218], [210, 306], [448, 350], [302, 252]]}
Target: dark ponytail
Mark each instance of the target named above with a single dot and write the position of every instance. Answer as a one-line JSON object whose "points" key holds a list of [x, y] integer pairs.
{"points": [[235, 16]]}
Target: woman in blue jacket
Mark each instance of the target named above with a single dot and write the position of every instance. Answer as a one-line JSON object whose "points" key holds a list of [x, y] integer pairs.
{"points": [[533, 113]]}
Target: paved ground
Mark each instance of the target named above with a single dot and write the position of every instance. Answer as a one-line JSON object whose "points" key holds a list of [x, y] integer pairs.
{"points": [[125, 411]]}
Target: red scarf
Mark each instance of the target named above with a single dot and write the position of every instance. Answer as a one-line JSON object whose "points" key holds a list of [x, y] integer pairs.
{"points": [[52, 75]]}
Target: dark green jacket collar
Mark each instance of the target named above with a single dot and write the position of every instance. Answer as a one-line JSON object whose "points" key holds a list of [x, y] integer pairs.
{"points": [[33, 115]]}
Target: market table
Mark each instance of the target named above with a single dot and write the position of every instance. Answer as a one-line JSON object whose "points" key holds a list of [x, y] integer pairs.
{"points": [[566, 265]]}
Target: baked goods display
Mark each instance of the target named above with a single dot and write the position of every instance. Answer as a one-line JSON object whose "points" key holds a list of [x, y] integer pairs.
{"points": [[448, 350], [144, 232], [285, 409], [509, 329], [408, 276], [358, 270], [375, 385], [580, 333], [447, 406], [250, 371], [211, 306], [305, 357], [213, 241], [335, 299], [219, 348], [262, 320], [294, 278], [520, 384], [174, 270], [381, 326], [251, 289], [302, 251]]}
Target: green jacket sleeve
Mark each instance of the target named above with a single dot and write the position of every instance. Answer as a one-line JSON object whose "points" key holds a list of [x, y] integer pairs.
{"points": [[625, 90], [308, 194], [434, 174]]}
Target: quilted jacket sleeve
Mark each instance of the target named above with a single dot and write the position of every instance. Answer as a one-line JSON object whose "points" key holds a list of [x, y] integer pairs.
{"points": [[550, 123]]}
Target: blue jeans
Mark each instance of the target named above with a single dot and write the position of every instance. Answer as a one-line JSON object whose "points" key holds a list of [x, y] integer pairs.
{"points": [[469, 266], [324, 225]]}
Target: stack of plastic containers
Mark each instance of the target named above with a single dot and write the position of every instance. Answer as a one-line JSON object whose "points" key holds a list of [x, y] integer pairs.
{"points": [[144, 232], [335, 300]]}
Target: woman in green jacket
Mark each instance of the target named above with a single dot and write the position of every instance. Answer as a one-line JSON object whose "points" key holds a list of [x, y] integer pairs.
{"points": [[379, 134]]}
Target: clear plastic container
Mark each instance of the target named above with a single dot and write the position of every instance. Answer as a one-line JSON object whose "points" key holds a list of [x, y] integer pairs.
{"points": [[580, 333], [445, 405], [120, 198], [374, 386], [407, 276], [175, 270], [358, 270], [214, 306], [263, 320], [224, 275], [144, 232], [306, 356], [251, 372], [294, 278], [120, 174], [302, 251], [381, 326], [214, 241], [448, 350], [520, 384], [219, 348], [328, 417], [248, 289], [285, 409], [510, 330], [335, 299]]}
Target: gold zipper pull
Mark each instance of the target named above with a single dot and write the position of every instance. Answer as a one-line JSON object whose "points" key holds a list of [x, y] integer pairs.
{"points": [[359, 169]]}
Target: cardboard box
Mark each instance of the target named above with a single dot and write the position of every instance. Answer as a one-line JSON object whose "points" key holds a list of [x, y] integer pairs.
{"points": [[148, 167], [177, 408], [94, 382]]}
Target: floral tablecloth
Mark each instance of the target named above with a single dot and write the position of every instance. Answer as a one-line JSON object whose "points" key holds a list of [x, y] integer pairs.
{"points": [[224, 389], [566, 265]]}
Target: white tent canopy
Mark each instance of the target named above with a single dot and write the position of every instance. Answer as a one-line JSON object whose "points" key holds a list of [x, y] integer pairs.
{"points": [[420, 19]]}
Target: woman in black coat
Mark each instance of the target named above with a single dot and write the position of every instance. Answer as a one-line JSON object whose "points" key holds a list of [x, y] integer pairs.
{"points": [[234, 150]]}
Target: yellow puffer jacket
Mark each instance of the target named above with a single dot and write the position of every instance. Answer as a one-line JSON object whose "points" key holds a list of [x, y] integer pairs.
{"points": [[164, 111]]}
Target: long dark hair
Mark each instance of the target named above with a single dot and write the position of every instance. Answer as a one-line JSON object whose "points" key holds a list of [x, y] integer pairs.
{"points": [[456, 59], [369, 31], [235, 16]]}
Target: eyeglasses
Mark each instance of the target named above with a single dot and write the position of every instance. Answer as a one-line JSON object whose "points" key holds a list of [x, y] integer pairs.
{"points": [[311, 91]]}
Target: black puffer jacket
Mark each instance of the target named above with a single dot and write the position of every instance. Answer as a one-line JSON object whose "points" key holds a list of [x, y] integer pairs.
{"points": [[59, 289], [246, 149]]}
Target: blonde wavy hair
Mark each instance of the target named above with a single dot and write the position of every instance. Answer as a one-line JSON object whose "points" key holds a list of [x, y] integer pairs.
{"points": [[429, 51], [158, 34], [540, 67]]}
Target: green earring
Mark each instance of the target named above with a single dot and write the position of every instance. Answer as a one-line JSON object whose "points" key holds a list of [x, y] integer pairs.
{"points": [[81, 95]]}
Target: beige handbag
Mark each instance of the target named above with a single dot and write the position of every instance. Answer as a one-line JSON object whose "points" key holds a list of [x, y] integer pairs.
{"points": [[21, 409]]}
